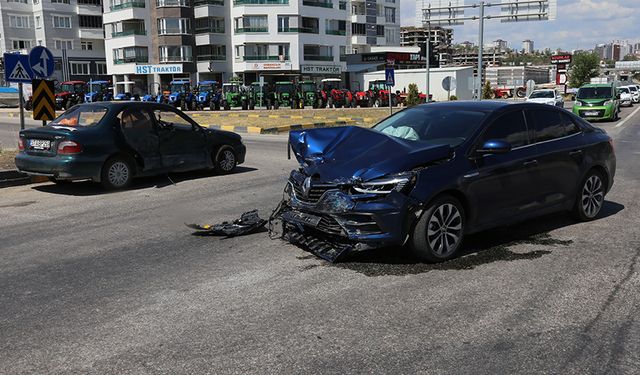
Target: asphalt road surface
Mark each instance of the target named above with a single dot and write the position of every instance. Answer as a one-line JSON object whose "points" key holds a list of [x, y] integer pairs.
{"points": [[115, 283]]}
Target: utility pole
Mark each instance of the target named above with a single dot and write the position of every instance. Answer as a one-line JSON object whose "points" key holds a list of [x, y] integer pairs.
{"points": [[452, 13], [480, 50], [428, 52]]}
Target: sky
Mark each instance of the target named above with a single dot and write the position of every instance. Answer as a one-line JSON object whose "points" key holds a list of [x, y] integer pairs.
{"points": [[581, 24]]}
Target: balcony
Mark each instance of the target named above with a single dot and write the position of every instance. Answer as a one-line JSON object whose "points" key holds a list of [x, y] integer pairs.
{"points": [[173, 31], [208, 2], [242, 30], [211, 57], [210, 30], [318, 58], [259, 2], [263, 58], [120, 34], [336, 32], [131, 59], [127, 5], [172, 3], [318, 3]]}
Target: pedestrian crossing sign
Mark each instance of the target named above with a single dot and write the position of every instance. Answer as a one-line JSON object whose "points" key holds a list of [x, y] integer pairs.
{"points": [[17, 68]]}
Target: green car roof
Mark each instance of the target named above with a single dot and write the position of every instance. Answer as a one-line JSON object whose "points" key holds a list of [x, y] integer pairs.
{"points": [[597, 85]]}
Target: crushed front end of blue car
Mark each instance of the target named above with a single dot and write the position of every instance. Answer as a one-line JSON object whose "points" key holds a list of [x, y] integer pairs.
{"points": [[352, 191]]}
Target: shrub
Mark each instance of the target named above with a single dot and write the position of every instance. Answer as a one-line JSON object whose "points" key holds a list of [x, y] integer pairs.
{"points": [[413, 97]]}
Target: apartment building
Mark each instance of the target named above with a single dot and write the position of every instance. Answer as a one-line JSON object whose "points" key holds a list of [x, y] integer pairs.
{"points": [[71, 29], [151, 42]]}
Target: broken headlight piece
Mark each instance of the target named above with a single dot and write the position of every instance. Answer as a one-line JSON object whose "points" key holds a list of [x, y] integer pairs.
{"points": [[385, 185]]}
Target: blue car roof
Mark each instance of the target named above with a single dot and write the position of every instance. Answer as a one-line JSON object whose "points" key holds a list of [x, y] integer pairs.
{"points": [[207, 82], [180, 81], [98, 82]]}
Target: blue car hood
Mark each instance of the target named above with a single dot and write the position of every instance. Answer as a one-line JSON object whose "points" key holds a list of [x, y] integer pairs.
{"points": [[355, 153]]}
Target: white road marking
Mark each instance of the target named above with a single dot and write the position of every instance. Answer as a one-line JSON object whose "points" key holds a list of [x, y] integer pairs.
{"points": [[628, 117]]}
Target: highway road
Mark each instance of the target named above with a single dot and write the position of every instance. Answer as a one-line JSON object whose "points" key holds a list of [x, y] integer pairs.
{"points": [[94, 282]]}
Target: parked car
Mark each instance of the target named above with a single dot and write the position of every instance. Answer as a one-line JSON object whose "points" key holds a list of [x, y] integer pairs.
{"points": [[112, 142], [626, 98], [431, 174], [548, 96], [597, 102]]}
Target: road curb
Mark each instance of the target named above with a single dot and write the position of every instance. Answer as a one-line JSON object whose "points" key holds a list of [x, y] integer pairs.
{"points": [[12, 177]]}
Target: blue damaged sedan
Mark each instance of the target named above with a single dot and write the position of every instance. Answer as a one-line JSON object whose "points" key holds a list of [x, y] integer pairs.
{"points": [[429, 175]]}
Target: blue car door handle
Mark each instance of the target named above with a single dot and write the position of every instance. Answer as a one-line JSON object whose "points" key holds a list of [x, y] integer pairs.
{"points": [[576, 153], [530, 163]]}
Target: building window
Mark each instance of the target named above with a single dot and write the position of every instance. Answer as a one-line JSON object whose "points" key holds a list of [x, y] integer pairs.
{"points": [[20, 22], [38, 22], [63, 44], [173, 3], [60, 2], [101, 68], [90, 22], [379, 30], [175, 54], [318, 53], [390, 15], [174, 26], [209, 25], [211, 52], [21, 44], [358, 29], [90, 2], [86, 46], [36, 2], [79, 68], [17, 1], [255, 24], [283, 24], [62, 22], [130, 55]]}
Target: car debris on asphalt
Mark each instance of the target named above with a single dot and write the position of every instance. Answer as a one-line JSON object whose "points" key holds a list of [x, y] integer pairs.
{"points": [[249, 222]]}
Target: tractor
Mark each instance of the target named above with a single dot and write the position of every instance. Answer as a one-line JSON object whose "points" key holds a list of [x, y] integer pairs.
{"points": [[286, 93], [208, 95], [234, 95], [309, 92], [379, 94], [71, 93], [98, 92], [333, 95], [181, 95], [262, 97]]}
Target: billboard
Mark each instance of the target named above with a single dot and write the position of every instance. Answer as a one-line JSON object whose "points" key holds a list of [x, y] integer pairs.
{"points": [[442, 12], [528, 10]]}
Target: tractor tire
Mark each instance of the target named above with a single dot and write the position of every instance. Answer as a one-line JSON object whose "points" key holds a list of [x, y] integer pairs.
{"points": [[293, 104], [276, 105], [226, 105], [330, 102], [244, 105], [212, 105], [252, 105], [505, 95]]}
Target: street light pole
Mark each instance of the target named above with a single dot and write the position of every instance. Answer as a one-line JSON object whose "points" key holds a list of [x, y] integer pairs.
{"points": [[480, 49], [427, 49]]}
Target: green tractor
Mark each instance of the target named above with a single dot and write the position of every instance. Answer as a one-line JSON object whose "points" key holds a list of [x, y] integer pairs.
{"points": [[262, 97], [234, 95], [286, 93], [309, 92]]}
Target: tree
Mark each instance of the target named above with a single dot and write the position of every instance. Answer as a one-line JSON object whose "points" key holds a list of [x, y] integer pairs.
{"points": [[487, 91], [413, 97], [583, 67], [630, 58]]}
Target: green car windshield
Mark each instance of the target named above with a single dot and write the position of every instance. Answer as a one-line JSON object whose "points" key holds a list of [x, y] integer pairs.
{"points": [[284, 88], [595, 93], [308, 87]]}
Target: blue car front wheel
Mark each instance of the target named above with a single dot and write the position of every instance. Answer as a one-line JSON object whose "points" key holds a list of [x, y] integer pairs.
{"points": [[438, 234]]}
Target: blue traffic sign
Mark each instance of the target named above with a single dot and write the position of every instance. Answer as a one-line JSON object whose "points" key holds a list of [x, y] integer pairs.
{"points": [[390, 76], [17, 68], [41, 61]]}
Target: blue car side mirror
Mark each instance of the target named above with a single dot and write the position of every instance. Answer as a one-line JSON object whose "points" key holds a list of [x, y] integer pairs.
{"points": [[495, 146]]}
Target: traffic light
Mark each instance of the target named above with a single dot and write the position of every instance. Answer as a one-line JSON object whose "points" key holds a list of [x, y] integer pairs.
{"points": [[434, 61]]}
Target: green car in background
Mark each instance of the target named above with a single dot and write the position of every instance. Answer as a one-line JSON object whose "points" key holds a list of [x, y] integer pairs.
{"points": [[597, 102]]}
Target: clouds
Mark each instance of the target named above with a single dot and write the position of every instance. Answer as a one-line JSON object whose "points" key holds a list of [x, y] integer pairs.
{"points": [[581, 24]]}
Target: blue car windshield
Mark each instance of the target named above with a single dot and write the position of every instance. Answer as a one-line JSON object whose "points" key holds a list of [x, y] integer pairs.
{"points": [[436, 125]]}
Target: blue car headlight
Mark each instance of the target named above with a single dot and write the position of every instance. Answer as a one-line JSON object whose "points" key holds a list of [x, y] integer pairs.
{"points": [[386, 184], [336, 202]]}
